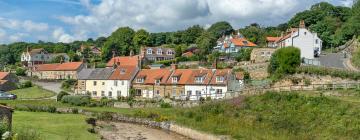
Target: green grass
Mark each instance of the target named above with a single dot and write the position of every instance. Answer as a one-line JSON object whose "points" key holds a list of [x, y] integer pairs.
{"points": [[53, 126], [303, 115], [32, 93]]}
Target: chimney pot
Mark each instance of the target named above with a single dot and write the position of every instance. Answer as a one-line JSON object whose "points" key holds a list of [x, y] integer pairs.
{"points": [[174, 66]]}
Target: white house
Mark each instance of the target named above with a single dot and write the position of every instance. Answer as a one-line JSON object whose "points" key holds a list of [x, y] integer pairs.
{"points": [[218, 85], [197, 84], [40, 56], [233, 43], [119, 83], [309, 43], [108, 82]]}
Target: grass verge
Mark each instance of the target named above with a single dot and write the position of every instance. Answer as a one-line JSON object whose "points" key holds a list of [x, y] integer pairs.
{"points": [[33, 93]]}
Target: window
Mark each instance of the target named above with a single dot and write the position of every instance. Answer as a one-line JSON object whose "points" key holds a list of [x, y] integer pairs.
{"points": [[110, 94], [94, 93], [173, 93], [138, 92], [122, 83], [118, 93], [122, 71], [169, 52], [268, 54], [140, 80], [149, 51], [115, 83], [199, 79], [94, 83], [102, 93], [157, 92], [218, 91], [219, 79], [103, 83], [316, 41], [157, 82], [174, 79], [245, 42], [189, 93], [262, 53], [159, 51], [198, 93], [305, 33]]}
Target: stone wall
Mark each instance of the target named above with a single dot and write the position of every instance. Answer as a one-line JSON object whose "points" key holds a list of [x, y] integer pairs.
{"points": [[6, 114]]}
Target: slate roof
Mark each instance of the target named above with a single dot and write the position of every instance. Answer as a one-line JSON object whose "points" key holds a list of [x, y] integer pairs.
{"points": [[100, 74], [84, 74]]}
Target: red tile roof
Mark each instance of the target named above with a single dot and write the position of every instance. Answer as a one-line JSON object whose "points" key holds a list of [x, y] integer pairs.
{"points": [[151, 75], [124, 61], [183, 74], [69, 66], [188, 54], [187, 76], [206, 73], [3, 75], [123, 73], [272, 39], [221, 72], [239, 75], [242, 42]]}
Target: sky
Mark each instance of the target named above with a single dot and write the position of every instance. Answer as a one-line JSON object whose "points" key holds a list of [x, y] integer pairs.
{"points": [[69, 20]]}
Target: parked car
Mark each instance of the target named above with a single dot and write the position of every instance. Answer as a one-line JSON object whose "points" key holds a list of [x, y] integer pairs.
{"points": [[7, 96]]}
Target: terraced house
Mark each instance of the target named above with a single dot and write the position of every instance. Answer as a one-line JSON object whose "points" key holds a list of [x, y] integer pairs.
{"points": [[157, 53], [150, 83], [34, 57], [56, 71]]}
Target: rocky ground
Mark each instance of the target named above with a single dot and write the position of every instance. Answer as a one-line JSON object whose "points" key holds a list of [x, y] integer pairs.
{"points": [[127, 131]]}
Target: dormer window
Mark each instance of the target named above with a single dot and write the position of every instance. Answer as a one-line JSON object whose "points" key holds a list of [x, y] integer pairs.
{"points": [[157, 82], [149, 51], [174, 79], [159, 51], [122, 71], [169, 52], [140, 80], [219, 79], [199, 79], [245, 42]]}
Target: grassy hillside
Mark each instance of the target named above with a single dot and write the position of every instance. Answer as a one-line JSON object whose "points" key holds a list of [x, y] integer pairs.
{"points": [[270, 116], [32, 93]]}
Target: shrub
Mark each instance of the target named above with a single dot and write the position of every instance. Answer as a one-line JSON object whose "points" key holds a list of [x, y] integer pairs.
{"points": [[20, 72], [67, 84], [4, 126], [202, 100], [35, 108], [105, 116], [165, 105], [91, 121], [26, 84], [328, 71], [61, 95], [76, 100], [75, 111], [284, 61], [27, 134], [307, 82]]}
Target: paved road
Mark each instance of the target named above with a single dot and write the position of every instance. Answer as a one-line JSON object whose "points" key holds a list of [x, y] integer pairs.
{"points": [[52, 86], [334, 60]]}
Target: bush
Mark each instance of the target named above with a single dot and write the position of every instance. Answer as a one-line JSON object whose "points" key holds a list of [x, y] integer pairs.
{"points": [[76, 100], [4, 126], [26, 84], [35, 108], [20, 72], [61, 95], [67, 84], [284, 61], [27, 134], [165, 105], [328, 71]]}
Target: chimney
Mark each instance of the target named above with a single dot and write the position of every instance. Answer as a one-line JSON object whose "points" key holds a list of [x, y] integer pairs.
{"points": [[302, 24], [61, 60], [174, 66]]}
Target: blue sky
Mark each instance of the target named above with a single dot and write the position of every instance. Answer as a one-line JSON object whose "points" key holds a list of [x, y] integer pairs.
{"points": [[68, 20]]}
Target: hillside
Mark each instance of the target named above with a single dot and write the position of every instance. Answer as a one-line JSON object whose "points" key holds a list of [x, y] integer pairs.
{"points": [[271, 116]]}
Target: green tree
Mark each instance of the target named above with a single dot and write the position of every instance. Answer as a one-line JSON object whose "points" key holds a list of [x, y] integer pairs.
{"points": [[220, 28], [190, 35], [205, 44], [141, 38], [120, 41], [284, 61]]}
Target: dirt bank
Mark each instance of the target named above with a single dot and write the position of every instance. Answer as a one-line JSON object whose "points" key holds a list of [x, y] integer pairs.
{"points": [[127, 131]]}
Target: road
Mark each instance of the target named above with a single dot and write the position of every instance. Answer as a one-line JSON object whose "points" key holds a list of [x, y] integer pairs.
{"points": [[52, 86], [333, 60]]}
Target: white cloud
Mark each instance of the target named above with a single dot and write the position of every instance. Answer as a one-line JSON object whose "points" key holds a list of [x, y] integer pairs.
{"points": [[347, 3], [31, 26], [165, 15], [60, 36]]}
